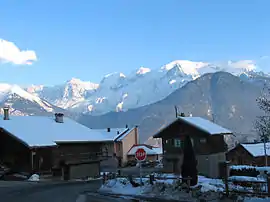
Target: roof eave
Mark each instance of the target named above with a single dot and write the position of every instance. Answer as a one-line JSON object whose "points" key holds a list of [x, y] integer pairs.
{"points": [[229, 133], [122, 134], [81, 142], [14, 136], [157, 134]]}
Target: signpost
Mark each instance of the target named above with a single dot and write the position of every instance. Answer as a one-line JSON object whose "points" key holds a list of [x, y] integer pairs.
{"points": [[140, 156]]}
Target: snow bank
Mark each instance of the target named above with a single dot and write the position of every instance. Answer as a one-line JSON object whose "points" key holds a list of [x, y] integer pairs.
{"points": [[255, 199], [34, 178], [242, 167], [247, 179], [167, 188]]}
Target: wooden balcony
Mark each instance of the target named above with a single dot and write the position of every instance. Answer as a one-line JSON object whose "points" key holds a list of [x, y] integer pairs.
{"points": [[86, 156]]}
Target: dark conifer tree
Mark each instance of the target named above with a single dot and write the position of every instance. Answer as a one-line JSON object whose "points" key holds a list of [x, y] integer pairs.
{"points": [[189, 166]]}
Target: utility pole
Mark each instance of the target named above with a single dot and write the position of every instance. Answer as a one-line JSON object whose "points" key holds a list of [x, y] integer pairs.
{"points": [[265, 153], [176, 111]]}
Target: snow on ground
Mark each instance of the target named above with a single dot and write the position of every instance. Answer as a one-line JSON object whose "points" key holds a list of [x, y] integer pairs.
{"points": [[247, 179], [34, 178], [162, 188], [209, 184], [255, 199], [170, 189]]}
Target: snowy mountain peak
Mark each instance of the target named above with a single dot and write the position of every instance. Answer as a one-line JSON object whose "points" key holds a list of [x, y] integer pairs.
{"points": [[115, 74], [9, 91], [143, 70], [184, 67], [82, 84], [112, 80]]}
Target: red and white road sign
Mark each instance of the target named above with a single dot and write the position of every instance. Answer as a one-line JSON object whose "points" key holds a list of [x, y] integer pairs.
{"points": [[140, 154]]}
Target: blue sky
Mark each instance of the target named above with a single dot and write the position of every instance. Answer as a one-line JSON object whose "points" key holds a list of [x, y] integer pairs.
{"points": [[88, 39]]}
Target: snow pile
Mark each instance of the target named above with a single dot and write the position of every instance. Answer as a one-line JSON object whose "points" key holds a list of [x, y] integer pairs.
{"points": [[208, 184], [247, 167], [247, 179], [256, 199], [34, 178], [163, 188]]}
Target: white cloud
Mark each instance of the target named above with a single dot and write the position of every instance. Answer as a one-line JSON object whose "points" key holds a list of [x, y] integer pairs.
{"points": [[10, 53], [243, 64]]}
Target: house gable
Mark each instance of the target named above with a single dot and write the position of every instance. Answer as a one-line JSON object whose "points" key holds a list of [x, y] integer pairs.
{"points": [[190, 126], [239, 155]]}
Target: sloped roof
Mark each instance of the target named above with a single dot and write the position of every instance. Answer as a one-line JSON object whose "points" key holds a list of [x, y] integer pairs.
{"points": [[149, 150], [257, 149], [201, 124], [45, 131], [205, 125], [123, 134]]}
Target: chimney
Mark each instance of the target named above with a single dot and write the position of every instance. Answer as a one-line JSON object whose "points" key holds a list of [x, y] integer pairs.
{"points": [[182, 114], [137, 138], [59, 117], [6, 113], [108, 130], [126, 125]]}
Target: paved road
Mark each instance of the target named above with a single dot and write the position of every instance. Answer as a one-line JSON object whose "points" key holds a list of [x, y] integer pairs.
{"points": [[49, 192]]}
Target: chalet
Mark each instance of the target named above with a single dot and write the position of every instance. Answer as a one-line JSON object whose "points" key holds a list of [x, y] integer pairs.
{"points": [[207, 140], [153, 153], [249, 154], [39, 143], [110, 145]]}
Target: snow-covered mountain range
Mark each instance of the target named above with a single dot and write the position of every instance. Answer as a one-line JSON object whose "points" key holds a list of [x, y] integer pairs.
{"points": [[22, 102], [118, 92], [147, 97]]}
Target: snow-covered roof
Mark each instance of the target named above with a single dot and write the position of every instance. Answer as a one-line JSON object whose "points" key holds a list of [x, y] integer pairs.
{"points": [[45, 131], [205, 125], [122, 135], [257, 149], [149, 151], [200, 123]]}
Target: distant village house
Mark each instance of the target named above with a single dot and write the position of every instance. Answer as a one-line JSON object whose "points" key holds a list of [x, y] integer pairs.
{"points": [[153, 153], [207, 139], [249, 154]]}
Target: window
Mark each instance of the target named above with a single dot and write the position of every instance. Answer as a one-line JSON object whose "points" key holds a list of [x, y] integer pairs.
{"points": [[169, 142], [177, 143], [202, 140], [192, 142]]}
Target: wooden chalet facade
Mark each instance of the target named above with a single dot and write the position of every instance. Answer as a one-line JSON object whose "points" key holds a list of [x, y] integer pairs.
{"points": [[249, 154], [207, 140], [112, 151], [39, 144]]}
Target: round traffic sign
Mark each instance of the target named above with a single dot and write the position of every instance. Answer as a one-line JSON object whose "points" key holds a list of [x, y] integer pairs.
{"points": [[140, 154]]}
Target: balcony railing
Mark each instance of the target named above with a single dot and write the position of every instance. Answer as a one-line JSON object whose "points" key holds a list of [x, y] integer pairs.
{"points": [[87, 156]]}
